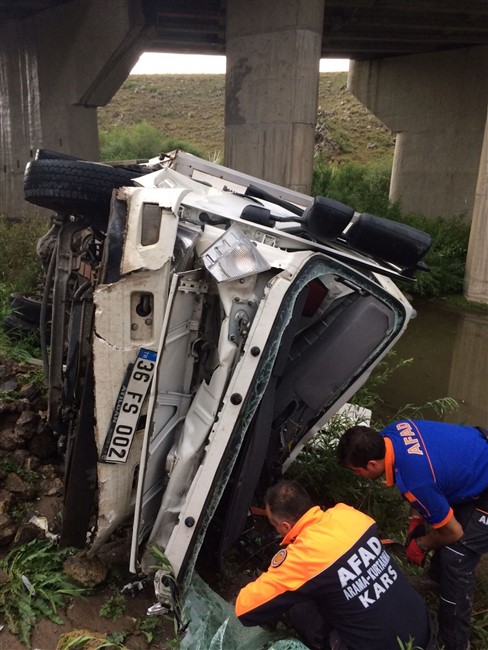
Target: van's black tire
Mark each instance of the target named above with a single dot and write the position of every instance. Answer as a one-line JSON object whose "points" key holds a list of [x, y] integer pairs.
{"points": [[75, 187], [27, 306], [49, 154]]}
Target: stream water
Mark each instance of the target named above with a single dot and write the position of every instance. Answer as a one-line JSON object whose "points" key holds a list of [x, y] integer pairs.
{"points": [[449, 348]]}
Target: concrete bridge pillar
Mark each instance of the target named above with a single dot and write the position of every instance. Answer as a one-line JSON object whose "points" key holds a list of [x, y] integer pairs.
{"points": [[436, 103], [476, 277], [469, 368], [273, 56], [55, 69]]}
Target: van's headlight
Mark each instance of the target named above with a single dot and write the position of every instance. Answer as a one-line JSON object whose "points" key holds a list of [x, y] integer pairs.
{"points": [[233, 256]]}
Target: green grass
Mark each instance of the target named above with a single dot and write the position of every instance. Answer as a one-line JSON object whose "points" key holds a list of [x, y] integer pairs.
{"points": [[34, 586], [20, 269]]}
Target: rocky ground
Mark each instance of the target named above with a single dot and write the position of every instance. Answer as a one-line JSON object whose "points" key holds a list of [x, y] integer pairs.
{"points": [[31, 483]]}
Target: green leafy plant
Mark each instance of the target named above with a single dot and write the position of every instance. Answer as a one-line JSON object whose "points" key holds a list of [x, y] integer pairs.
{"points": [[169, 583], [479, 622], [440, 406], [149, 626], [79, 641], [34, 586], [408, 646], [22, 348], [114, 606], [19, 512], [8, 466]]}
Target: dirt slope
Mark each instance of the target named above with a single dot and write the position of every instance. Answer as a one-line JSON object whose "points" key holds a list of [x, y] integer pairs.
{"points": [[191, 108]]}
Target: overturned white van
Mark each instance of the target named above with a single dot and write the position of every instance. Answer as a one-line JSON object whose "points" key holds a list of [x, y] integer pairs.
{"points": [[205, 324]]}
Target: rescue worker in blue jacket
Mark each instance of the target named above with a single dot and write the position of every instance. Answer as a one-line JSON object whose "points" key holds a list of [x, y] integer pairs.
{"points": [[333, 578], [442, 471]]}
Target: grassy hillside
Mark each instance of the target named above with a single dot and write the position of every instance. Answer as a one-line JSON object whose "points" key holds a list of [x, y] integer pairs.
{"points": [[191, 108]]}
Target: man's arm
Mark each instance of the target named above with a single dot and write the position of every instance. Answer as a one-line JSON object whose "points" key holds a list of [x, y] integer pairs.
{"points": [[434, 507], [264, 601], [259, 604], [451, 532]]}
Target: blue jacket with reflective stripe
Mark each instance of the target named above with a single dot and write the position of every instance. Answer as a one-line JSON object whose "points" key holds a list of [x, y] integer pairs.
{"points": [[437, 465]]}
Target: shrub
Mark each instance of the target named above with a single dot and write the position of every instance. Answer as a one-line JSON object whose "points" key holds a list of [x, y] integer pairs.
{"points": [[140, 141], [447, 257], [363, 187]]}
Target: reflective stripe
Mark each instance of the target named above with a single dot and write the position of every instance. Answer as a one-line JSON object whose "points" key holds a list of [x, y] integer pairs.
{"points": [[447, 518], [425, 449], [449, 548], [389, 461]]}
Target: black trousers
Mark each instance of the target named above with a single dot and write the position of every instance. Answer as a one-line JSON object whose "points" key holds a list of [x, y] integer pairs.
{"points": [[316, 633], [453, 567], [313, 630]]}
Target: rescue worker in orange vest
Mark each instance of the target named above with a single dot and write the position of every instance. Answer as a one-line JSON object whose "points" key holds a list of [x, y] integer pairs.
{"points": [[333, 579], [442, 471]]}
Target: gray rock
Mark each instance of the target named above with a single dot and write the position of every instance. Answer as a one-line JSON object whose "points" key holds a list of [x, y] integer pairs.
{"points": [[43, 445], [51, 487], [8, 528], [19, 457], [21, 489], [7, 500], [9, 386], [26, 533], [11, 439], [27, 424], [88, 571]]}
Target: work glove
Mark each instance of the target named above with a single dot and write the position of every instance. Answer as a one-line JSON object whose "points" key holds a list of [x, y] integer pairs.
{"points": [[414, 553], [416, 528]]}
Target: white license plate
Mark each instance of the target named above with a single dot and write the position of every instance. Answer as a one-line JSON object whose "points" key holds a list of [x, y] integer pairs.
{"points": [[128, 406]]}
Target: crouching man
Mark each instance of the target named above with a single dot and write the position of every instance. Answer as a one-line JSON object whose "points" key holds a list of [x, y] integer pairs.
{"points": [[333, 579], [441, 469]]}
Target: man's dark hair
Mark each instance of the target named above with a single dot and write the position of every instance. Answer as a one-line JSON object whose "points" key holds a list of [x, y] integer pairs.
{"points": [[360, 444], [288, 501]]}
